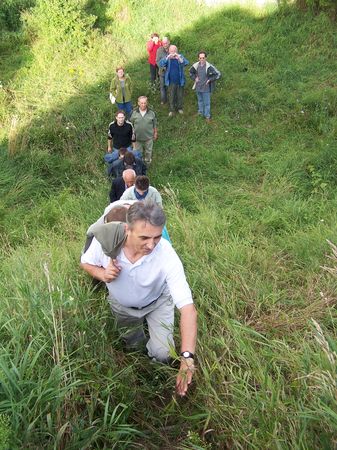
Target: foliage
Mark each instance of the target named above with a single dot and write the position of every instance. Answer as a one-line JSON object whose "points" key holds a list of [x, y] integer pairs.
{"points": [[318, 5], [60, 22], [10, 11], [250, 199]]}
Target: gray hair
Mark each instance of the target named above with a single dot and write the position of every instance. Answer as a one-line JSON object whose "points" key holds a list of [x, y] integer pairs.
{"points": [[147, 211], [142, 96]]}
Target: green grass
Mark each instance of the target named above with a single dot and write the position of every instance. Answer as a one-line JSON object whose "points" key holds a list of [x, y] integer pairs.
{"points": [[250, 199]]}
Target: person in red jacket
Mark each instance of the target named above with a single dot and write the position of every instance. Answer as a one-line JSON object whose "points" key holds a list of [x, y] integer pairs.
{"points": [[152, 46]]}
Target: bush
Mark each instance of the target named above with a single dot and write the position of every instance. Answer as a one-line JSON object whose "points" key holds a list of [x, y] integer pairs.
{"points": [[60, 22], [10, 12]]}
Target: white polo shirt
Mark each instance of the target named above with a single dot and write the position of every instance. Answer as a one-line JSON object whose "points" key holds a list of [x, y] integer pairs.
{"points": [[141, 283]]}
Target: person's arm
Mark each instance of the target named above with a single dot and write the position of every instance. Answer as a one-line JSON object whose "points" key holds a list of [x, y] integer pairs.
{"points": [[158, 55], [164, 61], [183, 60], [155, 134], [107, 275], [193, 73], [130, 84], [132, 134], [188, 333], [110, 143], [213, 75], [113, 193], [155, 127], [157, 197], [128, 194], [149, 46], [182, 298]]}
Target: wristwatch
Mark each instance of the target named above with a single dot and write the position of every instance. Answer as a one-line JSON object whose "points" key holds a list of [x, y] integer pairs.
{"points": [[187, 355]]}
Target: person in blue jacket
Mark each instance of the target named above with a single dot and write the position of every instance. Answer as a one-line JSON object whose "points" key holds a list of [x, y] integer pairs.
{"points": [[174, 64]]}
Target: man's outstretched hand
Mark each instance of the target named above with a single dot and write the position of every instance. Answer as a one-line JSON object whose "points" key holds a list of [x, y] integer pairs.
{"points": [[185, 374]]}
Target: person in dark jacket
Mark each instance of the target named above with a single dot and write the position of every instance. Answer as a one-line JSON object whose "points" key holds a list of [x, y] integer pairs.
{"points": [[120, 184], [129, 161], [204, 75], [120, 135]]}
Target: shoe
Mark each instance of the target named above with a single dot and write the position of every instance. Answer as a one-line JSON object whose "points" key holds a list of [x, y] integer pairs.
{"points": [[170, 114], [180, 111]]}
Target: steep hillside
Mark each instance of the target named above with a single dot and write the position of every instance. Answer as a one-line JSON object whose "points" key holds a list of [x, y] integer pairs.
{"points": [[251, 202]]}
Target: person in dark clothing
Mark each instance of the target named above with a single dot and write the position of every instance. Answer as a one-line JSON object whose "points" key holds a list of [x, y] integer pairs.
{"points": [[130, 161], [119, 184], [120, 135]]}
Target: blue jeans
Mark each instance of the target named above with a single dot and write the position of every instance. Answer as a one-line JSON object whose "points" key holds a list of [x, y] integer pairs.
{"points": [[204, 104], [127, 107]]}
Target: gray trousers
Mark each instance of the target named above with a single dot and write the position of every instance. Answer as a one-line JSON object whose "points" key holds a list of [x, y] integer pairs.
{"points": [[160, 320], [146, 148], [176, 94], [163, 88]]}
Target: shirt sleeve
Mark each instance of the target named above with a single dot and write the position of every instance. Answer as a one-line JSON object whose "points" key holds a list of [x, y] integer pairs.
{"points": [[110, 132], [131, 131], [176, 281], [155, 121], [158, 199], [128, 194], [94, 255], [149, 46]]}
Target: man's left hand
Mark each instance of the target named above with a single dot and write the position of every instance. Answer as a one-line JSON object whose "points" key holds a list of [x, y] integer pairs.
{"points": [[155, 136], [185, 374]]}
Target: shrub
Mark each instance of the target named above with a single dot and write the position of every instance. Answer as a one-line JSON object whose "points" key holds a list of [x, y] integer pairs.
{"points": [[10, 12], [60, 22]]}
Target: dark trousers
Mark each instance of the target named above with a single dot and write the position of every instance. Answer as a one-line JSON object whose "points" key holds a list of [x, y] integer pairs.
{"points": [[153, 72], [163, 89], [176, 93]]}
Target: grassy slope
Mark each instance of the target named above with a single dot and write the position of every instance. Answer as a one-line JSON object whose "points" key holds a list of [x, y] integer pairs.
{"points": [[251, 201]]}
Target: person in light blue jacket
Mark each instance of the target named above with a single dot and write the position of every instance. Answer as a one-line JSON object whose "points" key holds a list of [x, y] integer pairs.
{"points": [[174, 64]]}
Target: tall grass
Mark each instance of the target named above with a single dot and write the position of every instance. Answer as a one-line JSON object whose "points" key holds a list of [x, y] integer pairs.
{"points": [[250, 200]]}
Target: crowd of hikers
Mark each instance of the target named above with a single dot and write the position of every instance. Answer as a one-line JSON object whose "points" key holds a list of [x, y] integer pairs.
{"points": [[129, 248]]}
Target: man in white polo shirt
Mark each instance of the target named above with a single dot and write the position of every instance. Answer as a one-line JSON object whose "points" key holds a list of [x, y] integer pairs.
{"points": [[145, 279]]}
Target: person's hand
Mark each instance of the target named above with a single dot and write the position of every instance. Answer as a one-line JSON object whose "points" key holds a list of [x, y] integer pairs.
{"points": [[185, 374], [111, 271], [109, 150], [155, 136], [196, 79]]}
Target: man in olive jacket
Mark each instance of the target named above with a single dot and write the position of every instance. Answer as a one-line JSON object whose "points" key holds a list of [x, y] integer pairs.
{"points": [[144, 122]]}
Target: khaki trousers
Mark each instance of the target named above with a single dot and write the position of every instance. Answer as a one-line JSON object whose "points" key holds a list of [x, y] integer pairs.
{"points": [[160, 320], [146, 148]]}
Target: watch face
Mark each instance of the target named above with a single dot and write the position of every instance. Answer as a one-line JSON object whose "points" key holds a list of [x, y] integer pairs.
{"points": [[187, 354]]}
